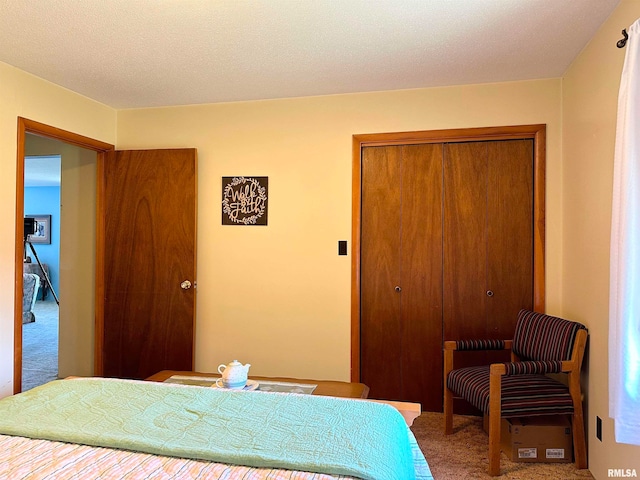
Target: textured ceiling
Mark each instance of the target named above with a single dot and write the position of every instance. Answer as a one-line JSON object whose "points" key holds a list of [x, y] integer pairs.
{"points": [[145, 53]]}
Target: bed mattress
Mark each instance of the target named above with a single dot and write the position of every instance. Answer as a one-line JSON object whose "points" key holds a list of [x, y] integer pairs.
{"points": [[26, 458], [109, 428]]}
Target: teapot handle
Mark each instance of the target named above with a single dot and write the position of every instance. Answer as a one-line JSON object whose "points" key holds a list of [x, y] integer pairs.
{"points": [[221, 368]]}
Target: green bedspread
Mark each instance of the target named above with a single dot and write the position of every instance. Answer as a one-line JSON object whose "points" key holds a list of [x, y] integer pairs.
{"points": [[299, 432]]}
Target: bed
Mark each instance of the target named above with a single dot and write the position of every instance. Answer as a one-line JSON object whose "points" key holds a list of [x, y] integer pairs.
{"points": [[108, 428]]}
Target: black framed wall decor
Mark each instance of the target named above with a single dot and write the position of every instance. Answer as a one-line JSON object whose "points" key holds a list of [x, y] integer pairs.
{"points": [[245, 200]]}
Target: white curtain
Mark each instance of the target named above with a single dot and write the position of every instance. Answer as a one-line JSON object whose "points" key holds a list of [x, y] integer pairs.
{"points": [[624, 294]]}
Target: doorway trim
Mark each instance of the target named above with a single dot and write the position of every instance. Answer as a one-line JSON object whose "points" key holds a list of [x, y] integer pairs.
{"points": [[26, 126], [517, 132]]}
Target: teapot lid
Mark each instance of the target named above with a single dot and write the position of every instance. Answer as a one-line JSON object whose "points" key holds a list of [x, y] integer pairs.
{"points": [[235, 363]]}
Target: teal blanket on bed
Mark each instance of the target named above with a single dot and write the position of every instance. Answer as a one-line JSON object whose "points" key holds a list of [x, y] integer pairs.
{"points": [[299, 432]]}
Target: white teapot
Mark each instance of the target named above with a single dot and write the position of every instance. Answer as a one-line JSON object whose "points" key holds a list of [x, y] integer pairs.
{"points": [[234, 375]]}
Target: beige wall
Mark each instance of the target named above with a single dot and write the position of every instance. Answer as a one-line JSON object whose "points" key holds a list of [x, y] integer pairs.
{"points": [[278, 297], [590, 92], [27, 96]]}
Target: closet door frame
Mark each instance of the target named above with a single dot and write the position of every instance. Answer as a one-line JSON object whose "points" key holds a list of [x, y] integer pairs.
{"points": [[517, 132]]}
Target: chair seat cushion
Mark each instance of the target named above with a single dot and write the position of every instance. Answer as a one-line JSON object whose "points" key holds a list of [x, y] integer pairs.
{"points": [[522, 395]]}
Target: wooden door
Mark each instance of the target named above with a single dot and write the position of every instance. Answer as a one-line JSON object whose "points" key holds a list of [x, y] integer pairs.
{"points": [[488, 244], [488, 238], [150, 246], [380, 271], [401, 321], [421, 275], [465, 240], [509, 234]]}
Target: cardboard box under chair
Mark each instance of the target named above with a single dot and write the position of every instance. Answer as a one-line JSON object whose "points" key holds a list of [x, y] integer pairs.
{"points": [[536, 439]]}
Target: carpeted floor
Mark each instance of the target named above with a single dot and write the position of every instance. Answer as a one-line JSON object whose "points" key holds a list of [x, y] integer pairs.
{"points": [[40, 346], [464, 454]]}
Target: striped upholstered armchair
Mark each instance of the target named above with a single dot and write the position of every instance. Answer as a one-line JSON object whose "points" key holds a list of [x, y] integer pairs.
{"points": [[542, 344]]}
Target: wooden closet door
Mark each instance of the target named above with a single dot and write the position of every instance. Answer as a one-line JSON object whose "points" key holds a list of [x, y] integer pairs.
{"points": [[465, 240], [488, 238], [380, 331], [509, 234], [401, 271], [450, 225], [421, 275]]}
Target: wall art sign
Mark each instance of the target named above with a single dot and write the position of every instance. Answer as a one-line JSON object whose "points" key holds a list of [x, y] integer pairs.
{"points": [[244, 200]]}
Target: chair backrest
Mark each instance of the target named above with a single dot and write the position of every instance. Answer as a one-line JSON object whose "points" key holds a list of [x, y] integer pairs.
{"points": [[543, 337]]}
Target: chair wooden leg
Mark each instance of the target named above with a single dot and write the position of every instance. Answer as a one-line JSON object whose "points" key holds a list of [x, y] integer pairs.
{"points": [[494, 444], [448, 394], [448, 411], [579, 441], [495, 410]]}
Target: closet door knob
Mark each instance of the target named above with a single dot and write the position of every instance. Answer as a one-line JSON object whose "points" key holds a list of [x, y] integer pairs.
{"points": [[398, 289], [186, 285], [489, 293]]}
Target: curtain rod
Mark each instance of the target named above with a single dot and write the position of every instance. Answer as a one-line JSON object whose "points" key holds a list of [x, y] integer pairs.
{"points": [[623, 41]]}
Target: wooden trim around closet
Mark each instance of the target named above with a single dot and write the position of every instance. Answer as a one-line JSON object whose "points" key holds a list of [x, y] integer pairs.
{"points": [[36, 128], [535, 132]]}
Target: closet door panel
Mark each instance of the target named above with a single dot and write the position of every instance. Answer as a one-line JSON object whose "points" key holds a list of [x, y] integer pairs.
{"points": [[465, 240], [421, 275], [510, 233], [380, 328]]}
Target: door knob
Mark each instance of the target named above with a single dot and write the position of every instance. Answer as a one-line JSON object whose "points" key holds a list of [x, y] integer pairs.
{"points": [[489, 293], [398, 289], [186, 285]]}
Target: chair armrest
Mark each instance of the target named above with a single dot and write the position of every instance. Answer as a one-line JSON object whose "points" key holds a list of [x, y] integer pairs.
{"points": [[462, 345], [531, 367], [449, 345]]}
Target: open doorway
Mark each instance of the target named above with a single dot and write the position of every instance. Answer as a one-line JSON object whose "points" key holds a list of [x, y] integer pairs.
{"points": [[74, 276], [79, 263], [41, 269], [82, 233]]}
